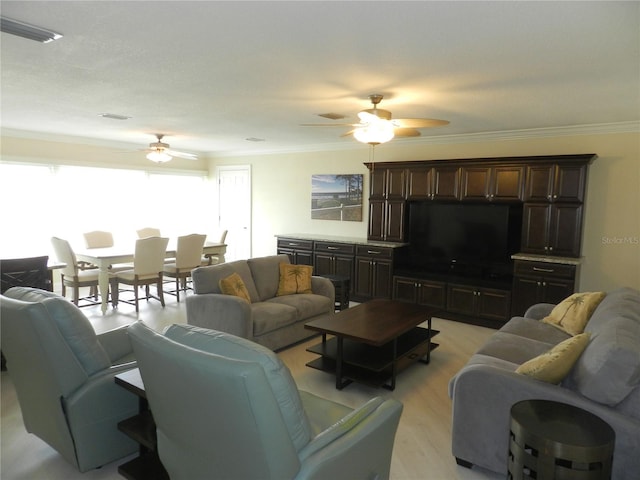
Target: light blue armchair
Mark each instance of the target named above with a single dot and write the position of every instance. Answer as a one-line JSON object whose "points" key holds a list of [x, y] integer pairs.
{"points": [[63, 374], [228, 408]]}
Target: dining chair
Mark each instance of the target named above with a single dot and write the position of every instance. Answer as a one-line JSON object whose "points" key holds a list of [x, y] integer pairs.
{"points": [[98, 239], [214, 259], [73, 276], [148, 232], [148, 264], [188, 257]]}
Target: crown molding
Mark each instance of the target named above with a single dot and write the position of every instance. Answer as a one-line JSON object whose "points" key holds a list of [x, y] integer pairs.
{"points": [[504, 135]]}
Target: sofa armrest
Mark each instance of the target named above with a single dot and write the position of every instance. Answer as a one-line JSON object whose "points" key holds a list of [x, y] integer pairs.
{"points": [[358, 446], [482, 399], [225, 313], [116, 343], [323, 286], [539, 310]]}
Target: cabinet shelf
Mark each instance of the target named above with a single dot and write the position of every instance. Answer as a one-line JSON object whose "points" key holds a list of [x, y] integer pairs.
{"points": [[140, 428]]}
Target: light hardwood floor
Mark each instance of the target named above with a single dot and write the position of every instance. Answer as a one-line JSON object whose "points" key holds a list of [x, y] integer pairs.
{"points": [[423, 442]]}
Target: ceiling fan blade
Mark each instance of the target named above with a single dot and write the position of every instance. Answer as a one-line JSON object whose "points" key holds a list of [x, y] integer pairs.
{"points": [[419, 122], [350, 132], [188, 156], [327, 125], [406, 132]]}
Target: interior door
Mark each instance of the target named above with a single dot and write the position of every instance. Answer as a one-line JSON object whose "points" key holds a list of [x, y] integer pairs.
{"points": [[234, 203]]}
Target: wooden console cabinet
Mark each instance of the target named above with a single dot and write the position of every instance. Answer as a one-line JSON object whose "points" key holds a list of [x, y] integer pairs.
{"points": [[367, 264]]}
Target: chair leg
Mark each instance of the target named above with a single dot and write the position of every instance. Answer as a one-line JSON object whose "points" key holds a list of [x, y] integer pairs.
{"points": [[135, 292], [160, 291], [115, 294], [177, 289], [76, 295]]}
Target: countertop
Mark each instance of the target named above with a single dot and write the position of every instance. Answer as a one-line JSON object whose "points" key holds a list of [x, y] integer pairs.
{"points": [[532, 257], [340, 239]]}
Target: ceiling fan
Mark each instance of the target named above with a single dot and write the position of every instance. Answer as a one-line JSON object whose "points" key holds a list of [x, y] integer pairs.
{"points": [[161, 152], [376, 125]]}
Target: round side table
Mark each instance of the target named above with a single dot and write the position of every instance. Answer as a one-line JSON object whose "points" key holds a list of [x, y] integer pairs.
{"points": [[552, 440]]}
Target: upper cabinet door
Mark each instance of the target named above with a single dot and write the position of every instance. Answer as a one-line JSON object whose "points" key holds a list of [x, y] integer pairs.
{"points": [[396, 183], [446, 183], [569, 183], [419, 183], [475, 183], [507, 183], [556, 183]]}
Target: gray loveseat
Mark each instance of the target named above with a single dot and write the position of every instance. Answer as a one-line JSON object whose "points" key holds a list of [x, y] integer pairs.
{"points": [[605, 381], [272, 321]]}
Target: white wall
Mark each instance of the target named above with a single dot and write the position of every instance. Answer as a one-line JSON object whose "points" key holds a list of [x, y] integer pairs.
{"points": [[282, 188], [611, 237]]}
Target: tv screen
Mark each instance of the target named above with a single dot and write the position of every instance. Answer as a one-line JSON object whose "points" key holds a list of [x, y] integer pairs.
{"points": [[464, 234]]}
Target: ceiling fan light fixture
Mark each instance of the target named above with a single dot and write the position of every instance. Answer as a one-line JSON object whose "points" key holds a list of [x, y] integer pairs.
{"points": [[159, 156], [375, 133]]}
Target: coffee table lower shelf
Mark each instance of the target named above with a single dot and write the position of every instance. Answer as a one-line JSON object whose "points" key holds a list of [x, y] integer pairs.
{"points": [[372, 365]]}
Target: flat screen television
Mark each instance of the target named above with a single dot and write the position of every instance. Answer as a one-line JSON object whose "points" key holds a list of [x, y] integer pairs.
{"points": [[462, 236]]}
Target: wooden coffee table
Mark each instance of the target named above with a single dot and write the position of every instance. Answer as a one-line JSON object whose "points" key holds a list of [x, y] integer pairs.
{"points": [[372, 342]]}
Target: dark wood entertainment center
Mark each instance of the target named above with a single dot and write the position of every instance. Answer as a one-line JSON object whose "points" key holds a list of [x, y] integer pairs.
{"points": [[550, 190]]}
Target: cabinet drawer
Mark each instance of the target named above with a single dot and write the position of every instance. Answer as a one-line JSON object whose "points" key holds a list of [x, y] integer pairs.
{"points": [[544, 269], [295, 243], [343, 248], [374, 252]]}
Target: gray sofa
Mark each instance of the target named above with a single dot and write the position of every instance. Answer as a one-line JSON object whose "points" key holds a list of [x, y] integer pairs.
{"points": [[605, 381], [272, 321]]}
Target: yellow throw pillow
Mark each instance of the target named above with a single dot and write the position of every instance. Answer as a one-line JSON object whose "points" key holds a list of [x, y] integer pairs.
{"points": [[294, 279], [573, 313], [233, 285], [554, 365]]}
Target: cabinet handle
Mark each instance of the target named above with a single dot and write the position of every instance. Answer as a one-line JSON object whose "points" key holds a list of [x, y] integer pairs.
{"points": [[333, 248], [549, 197], [291, 244], [555, 196], [546, 270], [544, 284], [373, 252], [551, 249]]}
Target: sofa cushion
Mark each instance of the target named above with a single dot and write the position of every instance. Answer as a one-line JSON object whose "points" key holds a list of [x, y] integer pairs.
{"points": [[233, 285], [72, 324], [266, 274], [268, 316], [294, 279], [307, 305], [573, 313], [623, 302], [513, 348], [535, 330], [207, 279], [609, 368], [554, 365], [282, 384]]}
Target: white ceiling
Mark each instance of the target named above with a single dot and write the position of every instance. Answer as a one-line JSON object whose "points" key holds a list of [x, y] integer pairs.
{"points": [[211, 74]]}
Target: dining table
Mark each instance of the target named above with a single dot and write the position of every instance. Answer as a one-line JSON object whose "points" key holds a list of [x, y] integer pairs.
{"points": [[103, 258]]}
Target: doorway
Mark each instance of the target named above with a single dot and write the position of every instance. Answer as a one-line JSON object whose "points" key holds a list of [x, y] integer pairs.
{"points": [[234, 204]]}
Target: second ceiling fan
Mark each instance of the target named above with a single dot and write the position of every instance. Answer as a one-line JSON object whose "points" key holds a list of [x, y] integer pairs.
{"points": [[376, 125]]}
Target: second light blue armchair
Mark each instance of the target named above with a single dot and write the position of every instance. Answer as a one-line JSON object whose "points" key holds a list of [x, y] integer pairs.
{"points": [[228, 408]]}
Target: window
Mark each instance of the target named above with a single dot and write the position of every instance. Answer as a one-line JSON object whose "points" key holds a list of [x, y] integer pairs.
{"points": [[41, 201]]}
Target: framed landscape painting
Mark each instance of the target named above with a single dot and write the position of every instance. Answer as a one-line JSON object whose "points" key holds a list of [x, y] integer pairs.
{"points": [[336, 197]]}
